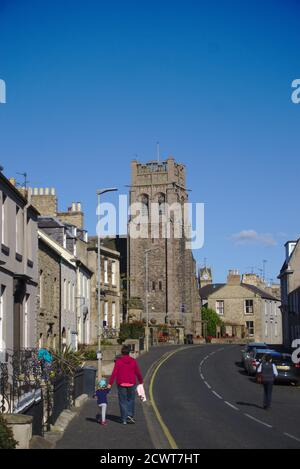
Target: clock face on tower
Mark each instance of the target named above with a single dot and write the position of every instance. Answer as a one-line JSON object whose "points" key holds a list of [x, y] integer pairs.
{"points": [[205, 277]]}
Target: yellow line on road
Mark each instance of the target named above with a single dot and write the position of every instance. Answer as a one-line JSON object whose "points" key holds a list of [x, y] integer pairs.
{"points": [[164, 427]]}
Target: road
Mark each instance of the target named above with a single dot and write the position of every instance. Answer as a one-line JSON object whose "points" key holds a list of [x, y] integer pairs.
{"points": [[206, 401]]}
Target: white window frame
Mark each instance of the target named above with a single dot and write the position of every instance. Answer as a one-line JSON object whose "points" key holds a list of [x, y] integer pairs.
{"points": [[105, 313], [218, 309], [105, 271], [247, 308], [26, 321], [29, 238], [114, 273], [113, 315], [2, 308], [248, 328]]}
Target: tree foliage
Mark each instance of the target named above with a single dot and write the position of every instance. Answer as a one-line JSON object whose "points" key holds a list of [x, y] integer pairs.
{"points": [[131, 330], [213, 320]]}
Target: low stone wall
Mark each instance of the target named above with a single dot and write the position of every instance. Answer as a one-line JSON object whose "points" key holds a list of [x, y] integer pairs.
{"points": [[199, 341], [109, 353], [230, 341], [21, 426]]}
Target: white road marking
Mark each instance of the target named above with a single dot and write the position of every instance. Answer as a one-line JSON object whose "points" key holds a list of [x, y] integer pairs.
{"points": [[258, 421], [292, 437], [217, 395], [288, 435], [231, 405]]}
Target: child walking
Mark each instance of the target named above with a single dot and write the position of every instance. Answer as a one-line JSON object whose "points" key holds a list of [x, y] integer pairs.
{"points": [[101, 395]]}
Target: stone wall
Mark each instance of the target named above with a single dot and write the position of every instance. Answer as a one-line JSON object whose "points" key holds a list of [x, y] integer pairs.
{"points": [[234, 297], [48, 315]]}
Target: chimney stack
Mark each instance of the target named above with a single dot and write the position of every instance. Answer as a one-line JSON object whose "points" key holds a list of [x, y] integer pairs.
{"points": [[234, 277]]}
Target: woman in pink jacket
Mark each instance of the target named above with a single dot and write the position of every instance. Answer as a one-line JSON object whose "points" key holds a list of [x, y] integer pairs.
{"points": [[126, 372]]}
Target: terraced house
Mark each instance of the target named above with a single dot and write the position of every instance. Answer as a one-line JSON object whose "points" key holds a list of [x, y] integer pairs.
{"points": [[290, 292], [110, 289], [64, 316], [246, 310], [18, 269]]}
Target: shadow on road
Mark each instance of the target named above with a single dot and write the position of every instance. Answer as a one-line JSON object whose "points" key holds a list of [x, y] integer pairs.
{"points": [[112, 418], [249, 404], [239, 364]]}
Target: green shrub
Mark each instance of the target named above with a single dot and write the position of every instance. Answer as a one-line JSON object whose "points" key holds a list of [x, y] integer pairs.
{"points": [[90, 355], [131, 330], [213, 320], [7, 440], [106, 342]]}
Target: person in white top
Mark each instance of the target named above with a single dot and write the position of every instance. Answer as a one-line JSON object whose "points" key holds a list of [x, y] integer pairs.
{"points": [[268, 372]]}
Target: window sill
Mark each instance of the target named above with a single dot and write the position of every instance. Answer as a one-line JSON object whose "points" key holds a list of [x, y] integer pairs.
{"points": [[5, 249]]}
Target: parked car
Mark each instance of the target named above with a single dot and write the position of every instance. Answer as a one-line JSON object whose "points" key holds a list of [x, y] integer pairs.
{"points": [[255, 357], [250, 347], [288, 372]]}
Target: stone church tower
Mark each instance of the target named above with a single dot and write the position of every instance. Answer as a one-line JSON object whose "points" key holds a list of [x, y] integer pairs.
{"points": [[173, 296]]}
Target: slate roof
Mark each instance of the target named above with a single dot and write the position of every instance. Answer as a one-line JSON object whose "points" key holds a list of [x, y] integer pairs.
{"points": [[258, 291], [208, 290]]}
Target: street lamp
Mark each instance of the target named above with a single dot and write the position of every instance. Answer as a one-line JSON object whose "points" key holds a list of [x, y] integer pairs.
{"points": [[99, 353], [146, 294]]}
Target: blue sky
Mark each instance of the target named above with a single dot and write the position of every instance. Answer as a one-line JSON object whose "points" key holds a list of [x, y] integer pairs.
{"points": [[92, 84]]}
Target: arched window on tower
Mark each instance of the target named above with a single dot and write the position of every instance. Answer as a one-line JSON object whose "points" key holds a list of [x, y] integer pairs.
{"points": [[144, 200], [162, 203]]}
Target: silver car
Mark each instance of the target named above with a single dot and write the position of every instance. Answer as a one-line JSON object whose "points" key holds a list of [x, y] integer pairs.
{"points": [[255, 357], [249, 348]]}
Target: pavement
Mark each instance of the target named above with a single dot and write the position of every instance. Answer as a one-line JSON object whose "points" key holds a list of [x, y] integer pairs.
{"points": [[207, 402], [85, 433]]}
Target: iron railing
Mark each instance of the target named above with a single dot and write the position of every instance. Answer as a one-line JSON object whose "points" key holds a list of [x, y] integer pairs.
{"points": [[34, 387]]}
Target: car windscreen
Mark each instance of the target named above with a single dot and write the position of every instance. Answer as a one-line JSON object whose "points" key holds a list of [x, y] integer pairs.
{"points": [[282, 359]]}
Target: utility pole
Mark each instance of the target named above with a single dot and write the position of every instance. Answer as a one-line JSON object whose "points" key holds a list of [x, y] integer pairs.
{"points": [[147, 294], [99, 352]]}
